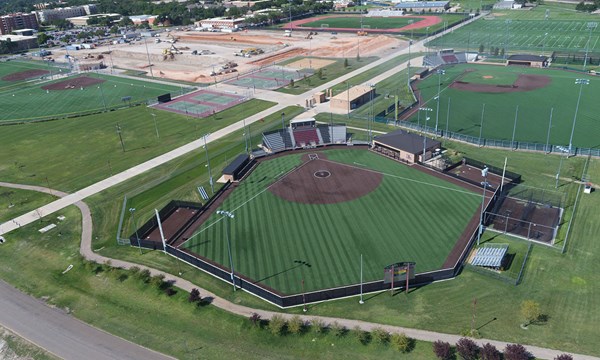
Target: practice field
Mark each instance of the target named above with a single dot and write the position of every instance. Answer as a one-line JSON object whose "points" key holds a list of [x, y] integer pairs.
{"points": [[354, 22], [13, 73], [291, 212], [392, 24], [202, 103], [519, 35], [77, 94], [484, 99]]}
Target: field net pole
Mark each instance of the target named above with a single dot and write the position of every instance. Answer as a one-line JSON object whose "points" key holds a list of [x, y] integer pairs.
{"points": [[361, 281], [503, 172], [162, 234], [120, 227]]}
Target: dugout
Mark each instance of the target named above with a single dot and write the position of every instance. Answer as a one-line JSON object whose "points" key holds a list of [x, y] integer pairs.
{"points": [[421, 73], [405, 147], [236, 170], [351, 98], [535, 61]]}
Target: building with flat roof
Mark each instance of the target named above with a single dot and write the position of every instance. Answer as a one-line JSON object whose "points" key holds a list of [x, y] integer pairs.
{"points": [[16, 21], [140, 19], [82, 20], [537, 61], [48, 15], [22, 42], [351, 98], [405, 147], [221, 23], [417, 6]]}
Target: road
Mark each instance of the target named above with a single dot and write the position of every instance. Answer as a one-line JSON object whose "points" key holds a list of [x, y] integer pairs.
{"points": [[28, 311]]}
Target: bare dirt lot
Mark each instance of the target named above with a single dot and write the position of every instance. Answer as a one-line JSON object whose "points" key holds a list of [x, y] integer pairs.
{"points": [[217, 49]]}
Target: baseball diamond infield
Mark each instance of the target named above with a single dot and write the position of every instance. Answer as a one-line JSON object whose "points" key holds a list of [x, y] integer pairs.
{"points": [[24, 75], [74, 83], [325, 211], [525, 82]]}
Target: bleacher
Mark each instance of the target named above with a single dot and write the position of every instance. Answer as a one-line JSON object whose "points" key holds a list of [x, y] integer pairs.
{"points": [[450, 59], [287, 138], [274, 141], [490, 256], [325, 132], [433, 60], [306, 137]]}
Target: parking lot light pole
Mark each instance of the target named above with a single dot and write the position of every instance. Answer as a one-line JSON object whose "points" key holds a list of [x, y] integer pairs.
{"points": [[579, 82], [228, 215]]}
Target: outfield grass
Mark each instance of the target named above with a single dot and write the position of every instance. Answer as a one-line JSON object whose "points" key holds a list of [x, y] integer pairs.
{"points": [[529, 31], [269, 233], [355, 22], [533, 119], [31, 102], [81, 151]]}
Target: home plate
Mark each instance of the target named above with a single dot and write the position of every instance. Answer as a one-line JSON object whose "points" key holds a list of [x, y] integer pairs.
{"points": [[47, 228]]}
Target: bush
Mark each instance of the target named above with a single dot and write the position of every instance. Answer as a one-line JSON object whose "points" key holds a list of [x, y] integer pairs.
{"points": [[254, 318], [564, 357], [489, 352], [170, 291], [530, 311], [345, 63], [467, 349], [158, 281], [195, 296], [363, 337], [317, 326], [380, 335], [402, 343], [295, 325], [277, 325], [144, 275], [442, 350], [516, 352], [337, 329], [135, 271]]}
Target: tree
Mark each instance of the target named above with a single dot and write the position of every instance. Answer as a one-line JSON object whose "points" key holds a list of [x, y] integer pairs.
{"points": [[380, 336], [530, 311], [564, 357], [502, 52], [277, 324], [320, 74], [363, 337], [337, 329], [158, 281], [401, 342], [442, 350], [489, 352], [194, 296], [125, 22], [114, 29], [62, 24], [317, 325], [292, 83], [481, 48], [516, 352], [467, 349], [345, 63], [295, 325], [43, 38], [255, 319]]}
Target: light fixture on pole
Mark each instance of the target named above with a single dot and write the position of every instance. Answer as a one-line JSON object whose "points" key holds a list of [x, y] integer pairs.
{"points": [[579, 82], [370, 127], [419, 114], [484, 173], [228, 215], [282, 121], [210, 179], [424, 141], [591, 26], [132, 212], [440, 72], [120, 136]]}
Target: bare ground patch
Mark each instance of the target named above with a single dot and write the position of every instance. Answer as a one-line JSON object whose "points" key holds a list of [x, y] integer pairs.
{"points": [[75, 83]]}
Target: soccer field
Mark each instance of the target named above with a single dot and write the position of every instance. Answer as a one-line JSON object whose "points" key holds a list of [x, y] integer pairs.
{"points": [[29, 101], [410, 216], [495, 115], [354, 22]]}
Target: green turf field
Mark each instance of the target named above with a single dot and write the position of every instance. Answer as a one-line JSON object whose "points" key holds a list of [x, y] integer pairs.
{"points": [[269, 233], [15, 66], [31, 102], [354, 22], [516, 30], [533, 118]]}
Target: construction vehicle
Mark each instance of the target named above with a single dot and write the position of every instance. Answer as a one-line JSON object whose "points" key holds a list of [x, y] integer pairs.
{"points": [[362, 33], [168, 54], [309, 35], [173, 39], [251, 51]]}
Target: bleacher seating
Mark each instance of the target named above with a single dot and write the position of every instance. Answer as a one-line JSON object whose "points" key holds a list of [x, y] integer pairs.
{"points": [[338, 134], [450, 59], [433, 60], [287, 138], [306, 137], [325, 132], [274, 141]]}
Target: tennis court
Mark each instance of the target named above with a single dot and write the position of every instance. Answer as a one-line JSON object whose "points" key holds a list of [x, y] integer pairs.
{"points": [[271, 78], [202, 103]]}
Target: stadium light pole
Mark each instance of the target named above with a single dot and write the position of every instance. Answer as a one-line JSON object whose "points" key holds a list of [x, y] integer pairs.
{"points": [[291, 25], [512, 143], [447, 118], [282, 121], [408, 64], [549, 127], [484, 172], [148, 55], [580, 82], [544, 43], [424, 140], [210, 179], [370, 127], [228, 215], [155, 125], [481, 124], [419, 114], [591, 26], [507, 22], [120, 137], [245, 134], [132, 212], [437, 110]]}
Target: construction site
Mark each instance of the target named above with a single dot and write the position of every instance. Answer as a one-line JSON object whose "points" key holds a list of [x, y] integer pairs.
{"points": [[204, 57]]}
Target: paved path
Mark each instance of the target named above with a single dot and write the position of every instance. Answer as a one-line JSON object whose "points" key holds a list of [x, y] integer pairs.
{"points": [[86, 251]]}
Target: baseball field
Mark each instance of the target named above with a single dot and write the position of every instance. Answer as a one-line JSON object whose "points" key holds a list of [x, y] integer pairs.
{"points": [[497, 101], [297, 219], [70, 95]]}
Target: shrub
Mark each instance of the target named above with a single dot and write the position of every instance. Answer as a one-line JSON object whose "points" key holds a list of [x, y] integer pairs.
{"points": [[194, 296], [363, 337], [337, 329], [295, 325], [467, 349], [254, 318], [489, 352], [564, 357], [291, 84], [170, 291], [317, 326], [530, 311], [158, 281], [442, 350], [144, 275], [516, 352], [380, 335], [277, 325], [135, 270], [402, 343], [345, 63]]}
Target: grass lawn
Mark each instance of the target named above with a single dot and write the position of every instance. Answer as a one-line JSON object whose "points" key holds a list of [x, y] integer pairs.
{"points": [[14, 345], [565, 29], [354, 22], [117, 302], [269, 233], [533, 118], [15, 202], [330, 72], [65, 160], [31, 102]]}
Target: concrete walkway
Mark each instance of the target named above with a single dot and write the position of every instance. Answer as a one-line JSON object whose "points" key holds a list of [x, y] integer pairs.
{"points": [[430, 336]]}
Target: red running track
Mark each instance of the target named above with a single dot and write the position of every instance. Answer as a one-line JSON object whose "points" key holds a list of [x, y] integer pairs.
{"points": [[427, 21]]}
